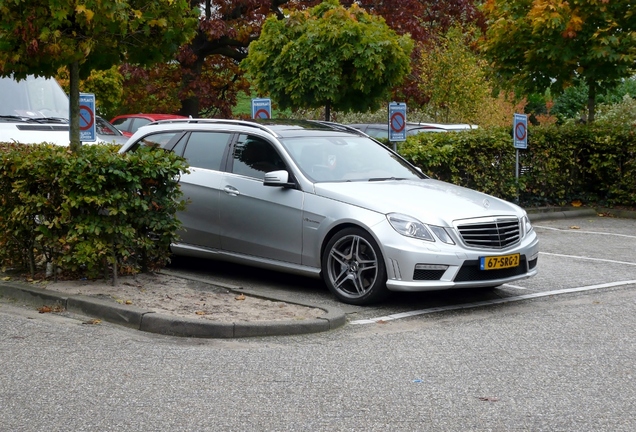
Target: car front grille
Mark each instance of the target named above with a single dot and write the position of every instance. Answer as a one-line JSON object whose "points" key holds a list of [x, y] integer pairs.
{"points": [[494, 233]]}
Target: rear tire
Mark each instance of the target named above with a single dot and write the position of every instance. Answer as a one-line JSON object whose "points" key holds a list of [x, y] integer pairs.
{"points": [[353, 268]]}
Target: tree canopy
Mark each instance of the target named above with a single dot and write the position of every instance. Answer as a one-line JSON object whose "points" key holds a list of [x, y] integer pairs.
{"points": [[328, 56], [541, 44], [40, 36]]}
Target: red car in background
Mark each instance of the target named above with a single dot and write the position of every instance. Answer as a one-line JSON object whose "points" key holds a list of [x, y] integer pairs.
{"points": [[129, 123]]}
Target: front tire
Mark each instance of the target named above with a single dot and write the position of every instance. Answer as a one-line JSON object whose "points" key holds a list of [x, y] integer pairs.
{"points": [[353, 267]]}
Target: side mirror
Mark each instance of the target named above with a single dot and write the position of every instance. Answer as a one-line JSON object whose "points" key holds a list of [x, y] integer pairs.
{"points": [[278, 178]]}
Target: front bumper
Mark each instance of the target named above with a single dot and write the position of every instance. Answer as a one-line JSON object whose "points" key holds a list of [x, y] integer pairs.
{"points": [[414, 265]]}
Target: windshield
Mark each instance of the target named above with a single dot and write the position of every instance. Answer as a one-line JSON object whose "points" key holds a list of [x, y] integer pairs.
{"points": [[347, 158], [33, 98]]}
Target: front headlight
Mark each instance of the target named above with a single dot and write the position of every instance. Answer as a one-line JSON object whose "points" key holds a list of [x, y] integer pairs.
{"points": [[411, 227], [526, 226]]}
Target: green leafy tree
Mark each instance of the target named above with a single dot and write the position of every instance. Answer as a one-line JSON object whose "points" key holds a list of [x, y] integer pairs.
{"points": [[40, 36], [328, 56], [540, 44], [454, 82], [453, 79]]}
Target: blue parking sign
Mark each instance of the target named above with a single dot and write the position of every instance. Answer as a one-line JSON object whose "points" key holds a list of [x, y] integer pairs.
{"points": [[261, 108], [520, 131], [397, 121], [87, 117]]}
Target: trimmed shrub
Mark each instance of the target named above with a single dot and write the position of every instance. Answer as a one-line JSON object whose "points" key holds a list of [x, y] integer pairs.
{"points": [[90, 211]]}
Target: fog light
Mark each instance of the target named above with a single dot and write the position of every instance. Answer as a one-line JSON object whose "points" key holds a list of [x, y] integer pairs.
{"points": [[430, 267]]}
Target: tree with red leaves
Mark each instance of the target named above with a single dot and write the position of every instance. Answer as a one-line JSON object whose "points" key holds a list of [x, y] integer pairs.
{"points": [[205, 79], [426, 21]]}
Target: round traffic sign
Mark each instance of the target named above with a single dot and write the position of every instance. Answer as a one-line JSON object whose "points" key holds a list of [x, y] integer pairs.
{"points": [[87, 118], [261, 114], [520, 131], [397, 122]]}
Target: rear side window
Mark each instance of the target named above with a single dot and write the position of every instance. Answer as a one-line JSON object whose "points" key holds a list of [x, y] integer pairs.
{"points": [[205, 149], [156, 140]]}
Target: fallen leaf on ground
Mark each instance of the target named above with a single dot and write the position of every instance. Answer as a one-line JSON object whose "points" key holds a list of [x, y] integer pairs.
{"points": [[240, 297], [93, 321], [6, 278], [128, 301], [575, 227], [577, 203], [380, 322], [488, 399], [200, 313], [48, 309]]}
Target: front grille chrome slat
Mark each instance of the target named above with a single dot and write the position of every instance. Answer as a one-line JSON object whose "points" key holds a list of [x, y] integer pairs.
{"points": [[494, 233]]}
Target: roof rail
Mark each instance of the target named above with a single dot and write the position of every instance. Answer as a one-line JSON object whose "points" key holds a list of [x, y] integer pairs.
{"points": [[340, 126], [246, 123]]}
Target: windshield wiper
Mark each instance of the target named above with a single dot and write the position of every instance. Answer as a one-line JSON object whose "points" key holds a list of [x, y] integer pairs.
{"points": [[49, 119], [26, 119], [12, 117], [386, 178]]}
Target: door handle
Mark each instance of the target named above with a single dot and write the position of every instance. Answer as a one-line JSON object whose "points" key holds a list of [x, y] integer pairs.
{"points": [[231, 190]]}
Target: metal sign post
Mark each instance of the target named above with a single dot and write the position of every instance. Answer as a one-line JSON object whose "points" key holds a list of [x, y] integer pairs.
{"points": [[261, 108], [87, 117], [397, 123]]}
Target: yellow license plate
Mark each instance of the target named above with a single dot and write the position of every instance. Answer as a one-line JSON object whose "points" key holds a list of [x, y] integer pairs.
{"points": [[499, 262]]}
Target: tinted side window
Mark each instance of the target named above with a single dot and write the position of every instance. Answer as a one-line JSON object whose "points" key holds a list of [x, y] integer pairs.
{"points": [[205, 149], [253, 157], [122, 123], [137, 123]]}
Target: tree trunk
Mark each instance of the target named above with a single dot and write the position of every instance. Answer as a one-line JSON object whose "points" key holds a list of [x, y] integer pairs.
{"points": [[190, 105], [76, 144], [328, 111], [591, 101]]}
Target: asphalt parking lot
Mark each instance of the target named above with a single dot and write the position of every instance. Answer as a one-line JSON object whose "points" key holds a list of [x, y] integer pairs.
{"points": [[578, 255]]}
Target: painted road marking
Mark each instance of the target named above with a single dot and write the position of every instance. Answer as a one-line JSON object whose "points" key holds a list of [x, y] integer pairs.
{"points": [[514, 286], [588, 258], [584, 232], [491, 302]]}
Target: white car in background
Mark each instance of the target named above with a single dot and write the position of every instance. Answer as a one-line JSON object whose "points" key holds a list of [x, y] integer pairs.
{"points": [[36, 110]]}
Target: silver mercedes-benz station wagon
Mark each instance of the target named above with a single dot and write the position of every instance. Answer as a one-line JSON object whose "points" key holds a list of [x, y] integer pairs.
{"points": [[323, 199]]}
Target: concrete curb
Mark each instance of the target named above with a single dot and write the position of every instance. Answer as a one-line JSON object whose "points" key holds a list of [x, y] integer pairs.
{"points": [[547, 213], [152, 322], [559, 214]]}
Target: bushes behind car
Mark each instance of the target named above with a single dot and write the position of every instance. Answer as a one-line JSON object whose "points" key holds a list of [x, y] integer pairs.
{"points": [[90, 212], [594, 164]]}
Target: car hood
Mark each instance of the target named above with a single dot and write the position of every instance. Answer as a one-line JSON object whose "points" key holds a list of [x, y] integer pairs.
{"points": [[430, 201]]}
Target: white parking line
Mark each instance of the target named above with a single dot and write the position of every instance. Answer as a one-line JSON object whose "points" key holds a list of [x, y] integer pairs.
{"points": [[491, 302], [514, 286], [588, 258], [584, 232]]}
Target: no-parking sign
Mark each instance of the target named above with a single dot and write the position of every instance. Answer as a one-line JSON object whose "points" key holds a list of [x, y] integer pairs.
{"points": [[520, 131], [397, 121], [261, 108], [87, 117]]}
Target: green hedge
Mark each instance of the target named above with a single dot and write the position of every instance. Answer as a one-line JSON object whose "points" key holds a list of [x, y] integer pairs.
{"points": [[595, 164], [90, 212]]}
